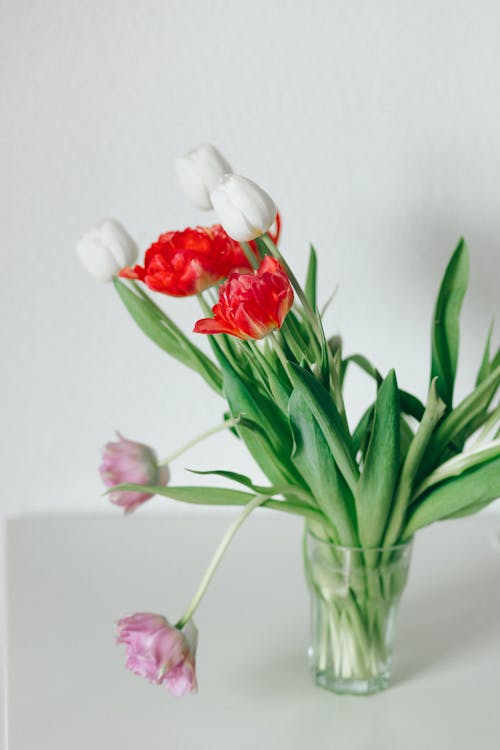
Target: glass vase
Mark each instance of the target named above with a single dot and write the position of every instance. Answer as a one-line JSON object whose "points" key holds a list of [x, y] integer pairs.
{"points": [[355, 594]]}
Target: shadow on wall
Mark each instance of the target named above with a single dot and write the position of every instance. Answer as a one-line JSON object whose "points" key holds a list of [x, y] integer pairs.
{"points": [[450, 615]]}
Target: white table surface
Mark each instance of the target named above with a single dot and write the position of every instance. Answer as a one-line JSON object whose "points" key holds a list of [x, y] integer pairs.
{"points": [[70, 578]]}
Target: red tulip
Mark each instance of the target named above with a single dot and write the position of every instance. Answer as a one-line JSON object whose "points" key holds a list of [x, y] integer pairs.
{"points": [[188, 262], [251, 305]]}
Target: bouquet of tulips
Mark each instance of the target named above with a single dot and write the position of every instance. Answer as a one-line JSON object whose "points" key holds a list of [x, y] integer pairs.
{"points": [[365, 488]]}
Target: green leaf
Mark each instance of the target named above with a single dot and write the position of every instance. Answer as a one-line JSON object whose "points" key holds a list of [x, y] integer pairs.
{"points": [[217, 496], [313, 458], [272, 445], [328, 302], [454, 425], [378, 479], [275, 380], [495, 362], [411, 405], [325, 366], [163, 332], [478, 486], [432, 414], [405, 438], [492, 419], [458, 465], [469, 510], [408, 403], [298, 337], [276, 489], [364, 364], [445, 328], [319, 403], [484, 369], [310, 287], [363, 429]]}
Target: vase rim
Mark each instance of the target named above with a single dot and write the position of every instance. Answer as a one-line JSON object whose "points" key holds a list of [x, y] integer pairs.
{"points": [[390, 548]]}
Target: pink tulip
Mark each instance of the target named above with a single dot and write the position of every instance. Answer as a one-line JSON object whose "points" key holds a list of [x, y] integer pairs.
{"points": [[128, 462], [159, 652]]}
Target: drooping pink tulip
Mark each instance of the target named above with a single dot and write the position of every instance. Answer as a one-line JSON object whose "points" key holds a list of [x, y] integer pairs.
{"points": [[159, 652], [128, 462]]}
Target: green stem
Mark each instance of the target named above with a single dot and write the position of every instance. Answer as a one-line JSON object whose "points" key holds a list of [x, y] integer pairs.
{"points": [[227, 425], [254, 262], [281, 355], [219, 553]]}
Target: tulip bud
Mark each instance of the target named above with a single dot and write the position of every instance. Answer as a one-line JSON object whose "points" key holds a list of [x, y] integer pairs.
{"points": [[105, 249], [245, 210], [198, 172], [128, 462], [160, 652]]}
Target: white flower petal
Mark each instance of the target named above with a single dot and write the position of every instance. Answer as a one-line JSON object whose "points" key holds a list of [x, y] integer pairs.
{"points": [[245, 210], [198, 172], [106, 249]]}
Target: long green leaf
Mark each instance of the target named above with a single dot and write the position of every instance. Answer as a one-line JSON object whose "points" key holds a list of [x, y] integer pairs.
{"points": [[445, 328], [318, 401], [406, 436], [411, 405], [271, 491], [310, 287], [272, 445], [376, 485], [364, 364], [408, 403], [490, 424], [495, 362], [458, 465], [218, 496], [454, 425], [165, 334], [484, 369], [432, 414], [363, 429], [313, 458], [469, 510], [478, 486]]}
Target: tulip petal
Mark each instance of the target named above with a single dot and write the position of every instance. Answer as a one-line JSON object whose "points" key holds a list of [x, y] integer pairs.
{"points": [[184, 263], [251, 305], [160, 652], [198, 172]]}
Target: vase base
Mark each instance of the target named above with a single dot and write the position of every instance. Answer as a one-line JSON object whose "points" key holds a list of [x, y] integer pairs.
{"points": [[349, 686]]}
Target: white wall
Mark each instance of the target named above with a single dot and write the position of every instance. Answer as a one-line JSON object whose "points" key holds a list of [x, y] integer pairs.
{"points": [[374, 125]]}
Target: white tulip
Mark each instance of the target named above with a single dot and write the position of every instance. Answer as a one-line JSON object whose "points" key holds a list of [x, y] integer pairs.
{"points": [[106, 249], [245, 210], [199, 171]]}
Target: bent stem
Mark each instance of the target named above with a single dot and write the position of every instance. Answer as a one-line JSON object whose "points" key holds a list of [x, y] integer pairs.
{"points": [[227, 425], [219, 553]]}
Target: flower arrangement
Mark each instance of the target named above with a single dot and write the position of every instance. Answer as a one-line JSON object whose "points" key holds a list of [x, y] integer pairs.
{"points": [[364, 491]]}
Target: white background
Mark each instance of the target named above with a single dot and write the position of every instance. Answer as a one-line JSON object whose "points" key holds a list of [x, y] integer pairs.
{"points": [[374, 125]]}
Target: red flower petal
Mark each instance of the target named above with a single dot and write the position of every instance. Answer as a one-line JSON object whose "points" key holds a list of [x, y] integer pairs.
{"points": [[251, 305], [188, 262]]}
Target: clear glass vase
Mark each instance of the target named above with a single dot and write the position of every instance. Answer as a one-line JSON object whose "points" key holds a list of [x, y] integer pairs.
{"points": [[355, 593]]}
